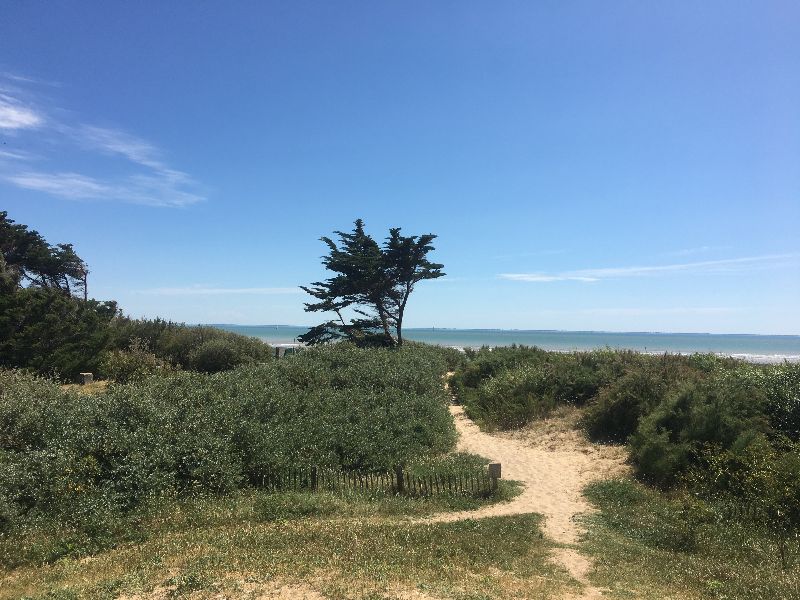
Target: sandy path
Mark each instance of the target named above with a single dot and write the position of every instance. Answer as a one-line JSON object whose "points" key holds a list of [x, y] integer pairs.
{"points": [[554, 467]]}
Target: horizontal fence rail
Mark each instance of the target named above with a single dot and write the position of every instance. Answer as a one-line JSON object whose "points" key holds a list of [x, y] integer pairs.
{"points": [[473, 482]]}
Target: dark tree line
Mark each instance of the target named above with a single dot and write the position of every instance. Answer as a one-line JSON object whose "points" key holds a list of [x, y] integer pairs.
{"points": [[47, 322]]}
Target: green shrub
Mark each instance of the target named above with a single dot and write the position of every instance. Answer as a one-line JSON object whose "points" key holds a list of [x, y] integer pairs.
{"points": [[135, 363], [199, 348], [756, 481], [215, 355], [668, 440], [513, 398], [623, 402], [84, 461], [522, 384]]}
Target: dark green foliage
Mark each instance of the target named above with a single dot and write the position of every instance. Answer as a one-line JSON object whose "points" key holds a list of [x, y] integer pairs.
{"points": [[27, 259], [488, 362], [52, 333], [373, 282], [621, 404], [83, 461], [693, 416]]}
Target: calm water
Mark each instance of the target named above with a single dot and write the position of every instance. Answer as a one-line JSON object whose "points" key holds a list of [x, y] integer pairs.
{"points": [[762, 348]]}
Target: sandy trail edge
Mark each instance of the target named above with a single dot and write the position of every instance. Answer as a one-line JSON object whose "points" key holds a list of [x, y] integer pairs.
{"points": [[553, 477]]}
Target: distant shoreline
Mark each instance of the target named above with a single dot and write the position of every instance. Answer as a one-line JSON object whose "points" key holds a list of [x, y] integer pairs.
{"points": [[749, 347], [515, 330]]}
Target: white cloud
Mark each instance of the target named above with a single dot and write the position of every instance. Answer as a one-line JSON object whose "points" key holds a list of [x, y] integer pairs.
{"points": [[16, 155], [145, 176], [730, 265], [215, 291], [14, 115], [672, 310], [28, 80], [696, 250], [543, 277], [156, 190], [66, 185], [113, 141]]}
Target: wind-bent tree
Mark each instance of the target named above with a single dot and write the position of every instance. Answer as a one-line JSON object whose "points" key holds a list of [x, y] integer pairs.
{"points": [[47, 323], [26, 259], [372, 281]]}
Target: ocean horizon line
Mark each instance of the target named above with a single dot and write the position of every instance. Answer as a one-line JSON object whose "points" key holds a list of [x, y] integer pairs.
{"points": [[519, 330]]}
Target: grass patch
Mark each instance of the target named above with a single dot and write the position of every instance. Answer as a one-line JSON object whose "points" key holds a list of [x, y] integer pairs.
{"points": [[647, 544], [254, 544]]}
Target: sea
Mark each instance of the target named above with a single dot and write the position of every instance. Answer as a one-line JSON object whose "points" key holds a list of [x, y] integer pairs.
{"points": [[750, 347]]}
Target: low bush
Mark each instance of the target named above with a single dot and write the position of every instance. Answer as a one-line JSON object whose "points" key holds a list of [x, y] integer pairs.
{"points": [[198, 348], [668, 441], [513, 398], [133, 364], [623, 401], [83, 460], [509, 387]]}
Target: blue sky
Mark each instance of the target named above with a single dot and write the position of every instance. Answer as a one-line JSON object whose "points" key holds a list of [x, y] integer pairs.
{"points": [[610, 166]]}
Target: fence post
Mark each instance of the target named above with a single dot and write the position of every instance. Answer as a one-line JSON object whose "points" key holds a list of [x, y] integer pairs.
{"points": [[398, 475], [495, 474]]}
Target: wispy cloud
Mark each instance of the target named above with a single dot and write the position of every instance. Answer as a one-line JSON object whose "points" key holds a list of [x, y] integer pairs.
{"points": [[216, 291], [66, 185], [112, 141], [695, 250], [149, 179], [730, 265], [15, 115], [544, 278], [153, 190], [671, 310], [16, 155], [28, 80], [528, 254]]}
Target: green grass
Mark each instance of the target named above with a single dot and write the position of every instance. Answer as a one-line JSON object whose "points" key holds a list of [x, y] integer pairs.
{"points": [[647, 544], [342, 547]]}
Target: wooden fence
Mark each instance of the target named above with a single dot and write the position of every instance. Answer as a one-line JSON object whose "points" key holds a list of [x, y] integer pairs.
{"points": [[477, 482]]}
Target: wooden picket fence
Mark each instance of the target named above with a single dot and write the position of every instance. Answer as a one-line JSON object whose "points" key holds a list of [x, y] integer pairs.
{"points": [[463, 483]]}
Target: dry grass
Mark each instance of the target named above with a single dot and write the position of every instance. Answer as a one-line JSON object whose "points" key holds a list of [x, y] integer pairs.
{"points": [[96, 387], [313, 558], [560, 431]]}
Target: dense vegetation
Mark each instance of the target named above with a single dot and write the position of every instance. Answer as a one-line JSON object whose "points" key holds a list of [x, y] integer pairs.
{"points": [[52, 334], [725, 431], [50, 326], [144, 346], [82, 463]]}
